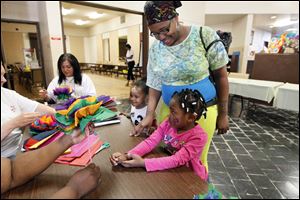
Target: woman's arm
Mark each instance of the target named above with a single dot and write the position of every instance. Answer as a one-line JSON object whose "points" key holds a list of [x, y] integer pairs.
{"points": [[41, 108], [154, 96], [222, 86], [13, 173], [17, 122]]}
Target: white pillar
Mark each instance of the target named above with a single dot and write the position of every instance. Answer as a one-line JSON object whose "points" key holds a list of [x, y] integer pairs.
{"points": [[248, 28]]}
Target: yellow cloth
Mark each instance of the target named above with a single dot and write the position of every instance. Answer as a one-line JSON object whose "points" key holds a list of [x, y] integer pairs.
{"points": [[208, 124], [85, 111], [66, 112]]}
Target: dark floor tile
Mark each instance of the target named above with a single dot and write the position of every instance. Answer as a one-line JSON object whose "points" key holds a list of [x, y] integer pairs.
{"points": [[216, 167], [266, 164], [227, 191], [233, 143], [245, 187], [258, 155], [226, 154], [218, 139], [250, 196], [270, 193], [213, 157], [261, 144], [221, 146], [228, 137], [245, 141], [238, 150], [275, 175], [288, 170], [278, 160], [240, 135], [231, 163], [237, 174], [295, 181], [261, 181], [250, 147], [253, 170], [287, 189], [220, 178]]}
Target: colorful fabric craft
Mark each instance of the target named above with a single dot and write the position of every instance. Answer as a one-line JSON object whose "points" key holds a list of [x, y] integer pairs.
{"points": [[82, 111], [44, 123], [212, 193], [63, 92]]}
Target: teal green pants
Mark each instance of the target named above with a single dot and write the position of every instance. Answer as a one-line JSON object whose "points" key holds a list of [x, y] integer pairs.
{"points": [[208, 124]]}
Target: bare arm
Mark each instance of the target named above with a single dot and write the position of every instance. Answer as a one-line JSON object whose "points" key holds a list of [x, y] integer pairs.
{"points": [[81, 183], [222, 86], [154, 96], [13, 173], [41, 108]]}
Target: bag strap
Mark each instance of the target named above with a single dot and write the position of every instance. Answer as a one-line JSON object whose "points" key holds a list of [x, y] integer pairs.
{"points": [[210, 45]]}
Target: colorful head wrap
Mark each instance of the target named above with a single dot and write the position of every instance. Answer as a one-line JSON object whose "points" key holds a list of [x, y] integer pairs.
{"points": [[159, 11]]}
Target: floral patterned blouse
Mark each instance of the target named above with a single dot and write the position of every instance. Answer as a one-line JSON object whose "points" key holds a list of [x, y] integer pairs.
{"points": [[186, 62]]}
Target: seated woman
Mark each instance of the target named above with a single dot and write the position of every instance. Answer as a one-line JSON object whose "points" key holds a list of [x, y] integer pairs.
{"points": [[16, 112], [69, 75]]}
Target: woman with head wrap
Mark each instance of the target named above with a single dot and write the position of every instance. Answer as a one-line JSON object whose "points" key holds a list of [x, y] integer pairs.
{"points": [[178, 60]]}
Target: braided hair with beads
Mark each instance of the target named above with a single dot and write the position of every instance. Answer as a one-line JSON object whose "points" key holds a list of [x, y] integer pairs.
{"points": [[192, 101]]}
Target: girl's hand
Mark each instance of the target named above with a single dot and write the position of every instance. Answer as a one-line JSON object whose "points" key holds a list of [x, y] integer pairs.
{"points": [[144, 124], [133, 161], [222, 124], [117, 158]]}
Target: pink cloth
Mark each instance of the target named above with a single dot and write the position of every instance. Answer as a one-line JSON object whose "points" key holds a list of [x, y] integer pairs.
{"points": [[79, 149], [188, 145]]}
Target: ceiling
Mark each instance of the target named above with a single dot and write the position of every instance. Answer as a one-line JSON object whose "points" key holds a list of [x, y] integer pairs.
{"points": [[81, 12], [260, 21]]}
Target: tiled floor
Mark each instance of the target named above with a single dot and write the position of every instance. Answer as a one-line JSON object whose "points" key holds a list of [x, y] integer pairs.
{"points": [[259, 158]]}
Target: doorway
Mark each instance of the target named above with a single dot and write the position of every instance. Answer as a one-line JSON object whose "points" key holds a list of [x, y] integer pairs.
{"points": [[21, 55], [100, 43]]}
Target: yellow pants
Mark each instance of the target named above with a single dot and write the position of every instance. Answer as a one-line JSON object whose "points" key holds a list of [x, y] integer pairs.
{"points": [[208, 124]]}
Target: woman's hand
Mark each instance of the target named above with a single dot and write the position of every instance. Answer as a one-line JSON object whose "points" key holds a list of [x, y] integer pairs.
{"points": [[144, 124], [133, 161], [25, 119], [44, 94], [117, 158], [222, 124]]}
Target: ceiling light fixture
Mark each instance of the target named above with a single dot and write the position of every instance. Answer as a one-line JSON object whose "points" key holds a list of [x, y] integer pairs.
{"points": [[273, 17], [66, 11], [95, 15], [80, 22]]}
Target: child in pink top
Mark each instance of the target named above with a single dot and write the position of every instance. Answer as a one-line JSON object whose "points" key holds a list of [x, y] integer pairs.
{"points": [[181, 135]]}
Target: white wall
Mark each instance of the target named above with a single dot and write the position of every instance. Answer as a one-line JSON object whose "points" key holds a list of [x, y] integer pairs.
{"points": [[223, 27], [20, 10], [90, 49], [258, 39], [253, 7]]}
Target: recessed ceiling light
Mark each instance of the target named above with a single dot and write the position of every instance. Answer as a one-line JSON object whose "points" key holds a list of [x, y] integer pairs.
{"points": [[80, 22], [95, 15], [273, 17], [271, 26], [66, 11]]}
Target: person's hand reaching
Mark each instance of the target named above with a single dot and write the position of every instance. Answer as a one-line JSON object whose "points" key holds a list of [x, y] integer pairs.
{"points": [[85, 180], [25, 119]]}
